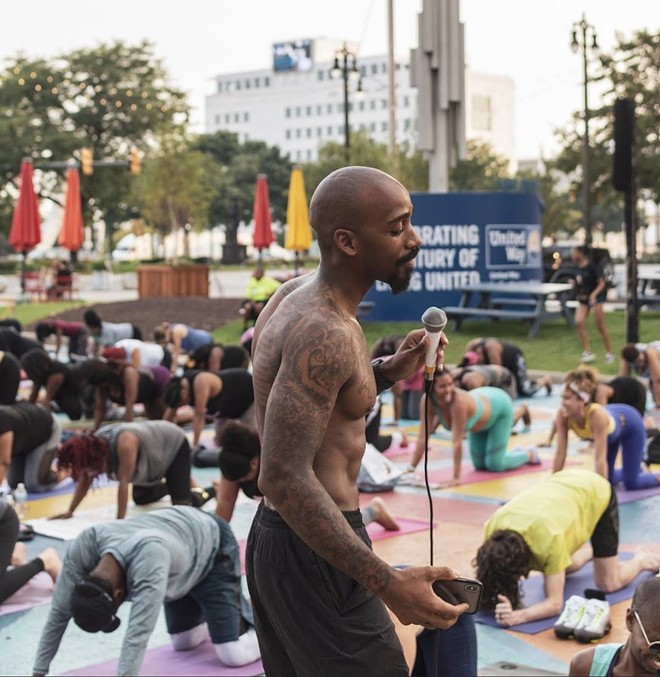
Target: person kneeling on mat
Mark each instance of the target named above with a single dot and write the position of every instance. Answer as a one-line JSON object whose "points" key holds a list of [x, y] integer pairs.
{"points": [[179, 556]]}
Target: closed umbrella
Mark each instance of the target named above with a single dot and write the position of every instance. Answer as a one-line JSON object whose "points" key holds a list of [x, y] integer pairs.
{"points": [[298, 231], [262, 236], [25, 232], [72, 235]]}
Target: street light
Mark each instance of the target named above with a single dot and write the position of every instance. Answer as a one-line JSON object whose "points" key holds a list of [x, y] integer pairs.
{"points": [[584, 37], [345, 66]]}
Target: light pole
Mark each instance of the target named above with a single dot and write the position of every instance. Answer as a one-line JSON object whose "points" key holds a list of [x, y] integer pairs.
{"points": [[584, 37], [345, 66]]}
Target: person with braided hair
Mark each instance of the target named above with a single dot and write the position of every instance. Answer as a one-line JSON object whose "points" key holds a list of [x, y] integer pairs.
{"points": [[545, 528], [152, 455], [612, 427]]}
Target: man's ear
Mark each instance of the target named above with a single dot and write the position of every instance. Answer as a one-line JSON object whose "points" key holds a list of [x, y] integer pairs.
{"points": [[345, 241]]}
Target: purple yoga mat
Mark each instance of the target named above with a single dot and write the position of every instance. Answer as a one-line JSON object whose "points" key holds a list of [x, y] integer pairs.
{"points": [[624, 496], [576, 583], [164, 661], [36, 591]]}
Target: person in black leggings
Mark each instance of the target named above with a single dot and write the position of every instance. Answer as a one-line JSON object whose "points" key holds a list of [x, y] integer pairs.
{"points": [[10, 377], [14, 553]]}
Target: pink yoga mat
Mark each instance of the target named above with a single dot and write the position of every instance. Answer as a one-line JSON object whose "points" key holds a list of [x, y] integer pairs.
{"points": [[376, 532], [469, 475], [37, 591], [164, 661]]}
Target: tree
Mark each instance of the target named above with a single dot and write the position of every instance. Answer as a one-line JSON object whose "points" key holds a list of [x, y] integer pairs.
{"points": [[480, 170], [629, 71], [176, 188], [238, 167], [109, 98]]}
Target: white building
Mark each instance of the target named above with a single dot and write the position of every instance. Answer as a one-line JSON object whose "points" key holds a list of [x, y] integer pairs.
{"points": [[297, 106]]}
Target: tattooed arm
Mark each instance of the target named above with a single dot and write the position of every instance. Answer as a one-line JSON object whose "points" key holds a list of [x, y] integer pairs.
{"points": [[312, 436]]}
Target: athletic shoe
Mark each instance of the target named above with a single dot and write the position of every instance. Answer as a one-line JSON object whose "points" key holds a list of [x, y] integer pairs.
{"points": [[595, 621], [570, 616], [587, 356], [609, 358]]}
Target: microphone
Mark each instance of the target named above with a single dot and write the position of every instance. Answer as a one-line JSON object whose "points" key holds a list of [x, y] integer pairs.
{"points": [[434, 321]]}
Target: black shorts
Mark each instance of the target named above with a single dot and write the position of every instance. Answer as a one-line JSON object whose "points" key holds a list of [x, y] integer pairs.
{"points": [[605, 537], [311, 619]]}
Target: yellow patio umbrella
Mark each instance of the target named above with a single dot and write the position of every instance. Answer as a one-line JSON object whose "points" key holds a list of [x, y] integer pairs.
{"points": [[298, 230]]}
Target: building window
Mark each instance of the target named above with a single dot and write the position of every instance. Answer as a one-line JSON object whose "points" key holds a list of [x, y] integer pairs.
{"points": [[383, 126], [238, 84], [309, 111], [229, 86], [246, 117], [383, 103], [319, 109], [309, 155], [298, 133], [320, 74], [247, 84], [298, 111], [372, 127], [227, 119], [257, 82], [361, 105], [309, 132], [287, 112], [319, 131], [374, 69], [481, 113], [406, 102], [287, 134], [372, 104], [329, 130], [219, 86], [328, 109], [266, 81], [237, 117], [217, 119]]}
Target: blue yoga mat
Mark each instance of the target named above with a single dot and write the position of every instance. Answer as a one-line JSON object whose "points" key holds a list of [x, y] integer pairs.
{"points": [[576, 584]]}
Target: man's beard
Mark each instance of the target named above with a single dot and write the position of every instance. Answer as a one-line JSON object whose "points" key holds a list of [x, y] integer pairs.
{"points": [[400, 281]]}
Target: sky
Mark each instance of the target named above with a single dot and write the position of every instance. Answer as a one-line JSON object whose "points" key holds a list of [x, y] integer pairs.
{"points": [[527, 40]]}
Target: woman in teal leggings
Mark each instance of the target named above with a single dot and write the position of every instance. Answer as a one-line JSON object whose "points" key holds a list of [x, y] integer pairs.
{"points": [[486, 414]]}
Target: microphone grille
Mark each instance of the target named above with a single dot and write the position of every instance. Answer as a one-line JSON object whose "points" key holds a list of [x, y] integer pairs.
{"points": [[434, 319]]}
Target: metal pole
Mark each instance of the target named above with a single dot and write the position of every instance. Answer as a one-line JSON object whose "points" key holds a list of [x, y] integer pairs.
{"points": [[390, 79], [586, 179], [630, 216], [347, 131]]}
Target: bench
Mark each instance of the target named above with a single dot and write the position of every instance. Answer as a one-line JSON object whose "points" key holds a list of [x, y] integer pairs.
{"points": [[498, 302], [459, 313]]}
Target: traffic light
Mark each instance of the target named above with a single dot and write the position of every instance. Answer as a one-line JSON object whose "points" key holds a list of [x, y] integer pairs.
{"points": [[134, 161], [87, 160]]}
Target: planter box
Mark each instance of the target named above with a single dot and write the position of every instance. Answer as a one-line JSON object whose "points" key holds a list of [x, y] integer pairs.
{"points": [[173, 281]]}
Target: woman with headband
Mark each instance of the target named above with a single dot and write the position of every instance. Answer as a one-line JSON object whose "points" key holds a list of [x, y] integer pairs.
{"points": [[612, 427]]}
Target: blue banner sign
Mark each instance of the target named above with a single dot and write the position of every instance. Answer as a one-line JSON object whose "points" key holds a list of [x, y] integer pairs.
{"points": [[467, 238]]}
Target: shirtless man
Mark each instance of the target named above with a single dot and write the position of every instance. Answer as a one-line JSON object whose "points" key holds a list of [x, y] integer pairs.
{"points": [[318, 590]]}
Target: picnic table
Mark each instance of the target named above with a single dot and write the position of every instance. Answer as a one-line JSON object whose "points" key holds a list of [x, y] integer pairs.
{"points": [[648, 288], [526, 301]]}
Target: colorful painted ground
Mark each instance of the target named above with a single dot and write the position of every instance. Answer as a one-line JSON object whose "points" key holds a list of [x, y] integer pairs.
{"points": [[458, 515]]}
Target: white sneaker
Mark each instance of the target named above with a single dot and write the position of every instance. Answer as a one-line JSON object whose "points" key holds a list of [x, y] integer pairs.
{"points": [[570, 616], [609, 358], [587, 356], [595, 621]]}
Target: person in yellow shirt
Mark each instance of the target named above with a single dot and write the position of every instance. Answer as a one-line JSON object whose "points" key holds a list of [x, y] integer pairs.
{"points": [[545, 528], [260, 288]]}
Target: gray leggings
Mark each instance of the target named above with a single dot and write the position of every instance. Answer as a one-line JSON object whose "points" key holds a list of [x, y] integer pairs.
{"points": [[26, 468]]}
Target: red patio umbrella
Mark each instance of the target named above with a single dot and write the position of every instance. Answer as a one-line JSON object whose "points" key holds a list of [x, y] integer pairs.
{"points": [[262, 236], [25, 231], [72, 235]]}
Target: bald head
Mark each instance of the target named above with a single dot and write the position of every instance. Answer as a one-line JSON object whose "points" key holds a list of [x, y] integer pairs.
{"points": [[343, 198]]}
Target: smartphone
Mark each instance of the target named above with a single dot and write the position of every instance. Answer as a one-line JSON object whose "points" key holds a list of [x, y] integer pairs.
{"points": [[458, 590]]}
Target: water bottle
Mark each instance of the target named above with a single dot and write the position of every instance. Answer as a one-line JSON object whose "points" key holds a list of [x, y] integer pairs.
{"points": [[20, 501]]}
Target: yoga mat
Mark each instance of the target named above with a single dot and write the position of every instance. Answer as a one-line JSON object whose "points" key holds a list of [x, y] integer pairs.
{"points": [[67, 530], [469, 475], [164, 661], [67, 486], [36, 591], [625, 496], [576, 583]]}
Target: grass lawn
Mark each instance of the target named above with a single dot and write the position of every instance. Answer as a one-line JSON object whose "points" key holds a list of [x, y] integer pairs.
{"points": [[555, 347], [31, 312]]}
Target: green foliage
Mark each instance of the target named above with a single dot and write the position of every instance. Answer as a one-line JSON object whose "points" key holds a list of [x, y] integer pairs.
{"points": [[629, 71], [236, 167], [480, 170], [108, 98]]}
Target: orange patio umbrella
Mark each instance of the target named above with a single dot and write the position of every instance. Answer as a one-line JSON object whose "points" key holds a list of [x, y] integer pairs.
{"points": [[25, 231], [262, 237], [72, 235], [298, 230]]}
